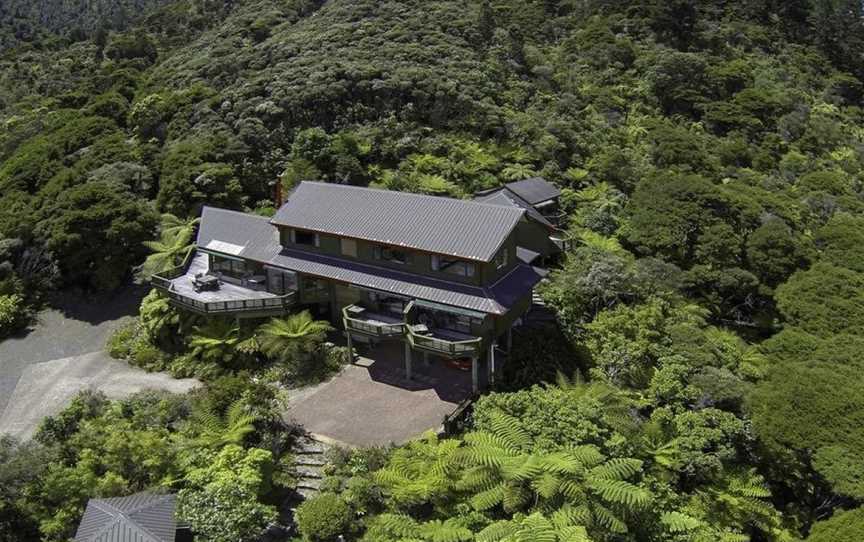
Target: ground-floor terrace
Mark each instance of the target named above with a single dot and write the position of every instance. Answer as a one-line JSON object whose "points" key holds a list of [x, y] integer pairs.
{"points": [[372, 403]]}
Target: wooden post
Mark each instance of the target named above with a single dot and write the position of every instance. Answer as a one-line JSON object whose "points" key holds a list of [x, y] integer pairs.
{"points": [[492, 364], [475, 373], [509, 338], [426, 358], [350, 347], [407, 360]]}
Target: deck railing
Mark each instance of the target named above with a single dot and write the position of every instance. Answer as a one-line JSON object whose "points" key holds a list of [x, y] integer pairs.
{"points": [[449, 348], [376, 329], [163, 280], [281, 303]]}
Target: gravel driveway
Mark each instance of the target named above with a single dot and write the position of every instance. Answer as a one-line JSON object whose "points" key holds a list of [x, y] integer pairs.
{"points": [[40, 371]]}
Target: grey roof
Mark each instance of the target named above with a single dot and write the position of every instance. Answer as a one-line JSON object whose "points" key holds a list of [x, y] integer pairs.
{"points": [[503, 196], [534, 190], [260, 243], [142, 517], [455, 227], [525, 255], [496, 299]]}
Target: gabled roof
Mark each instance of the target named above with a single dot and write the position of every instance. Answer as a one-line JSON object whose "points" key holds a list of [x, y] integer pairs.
{"points": [[534, 190], [259, 241], [142, 517], [455, 227], [503, 196]]}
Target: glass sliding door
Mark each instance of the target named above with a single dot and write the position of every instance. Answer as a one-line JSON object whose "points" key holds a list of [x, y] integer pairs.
{"points": [[280, 281]]}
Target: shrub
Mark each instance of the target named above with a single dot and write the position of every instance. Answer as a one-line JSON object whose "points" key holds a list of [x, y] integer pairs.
{"points": [[11, 313], [323, 518], [843, 526]]}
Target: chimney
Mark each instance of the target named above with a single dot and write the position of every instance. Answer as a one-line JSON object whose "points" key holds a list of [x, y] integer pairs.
{"points": [[277, 193]]}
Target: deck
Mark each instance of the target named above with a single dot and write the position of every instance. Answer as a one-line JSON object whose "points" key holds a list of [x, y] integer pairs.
{"points": [[228, 299]]}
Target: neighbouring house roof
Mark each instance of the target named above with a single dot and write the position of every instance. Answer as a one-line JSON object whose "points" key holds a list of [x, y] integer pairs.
{"points": [[503, 196], [534, 190], [142, 517], [455, 227], [260, 243]]}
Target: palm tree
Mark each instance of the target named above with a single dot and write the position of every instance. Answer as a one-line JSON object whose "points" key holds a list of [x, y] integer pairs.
{"points": [[504, 471], [216, 431], [518, 172], [292, 340], [217, 341], [173, 246]]}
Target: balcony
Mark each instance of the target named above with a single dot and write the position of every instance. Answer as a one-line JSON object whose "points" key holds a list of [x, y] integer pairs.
{"points": [[361, 320], [229, 299], [442, 342]]}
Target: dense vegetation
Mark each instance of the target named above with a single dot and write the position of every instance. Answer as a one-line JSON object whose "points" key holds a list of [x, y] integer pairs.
{"points": [[712, 160]]}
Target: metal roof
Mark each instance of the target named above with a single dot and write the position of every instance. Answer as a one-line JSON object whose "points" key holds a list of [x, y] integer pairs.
{"points": [[496, 299], [534, 190], [503, 196], [455, 227], [525, 255], [261, 243], [142, 517]]}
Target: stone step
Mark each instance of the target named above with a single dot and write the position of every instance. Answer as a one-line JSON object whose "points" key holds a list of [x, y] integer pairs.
{"points": [[310, 460], [305, 472], [306, 492], [309, 483]]}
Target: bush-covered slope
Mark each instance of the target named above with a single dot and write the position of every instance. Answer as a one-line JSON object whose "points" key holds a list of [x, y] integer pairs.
{"points": [[711, 156]]}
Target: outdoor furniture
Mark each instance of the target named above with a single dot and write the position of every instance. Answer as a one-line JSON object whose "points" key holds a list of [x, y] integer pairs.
{"points": [[420, 329], [356, 310], [205, 283], [257, 282]]}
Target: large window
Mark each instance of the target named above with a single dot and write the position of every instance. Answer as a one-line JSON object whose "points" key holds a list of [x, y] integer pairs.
{"points": [[349, 247], [227, 266], [390, 254], [307, 238], [453, 266]]}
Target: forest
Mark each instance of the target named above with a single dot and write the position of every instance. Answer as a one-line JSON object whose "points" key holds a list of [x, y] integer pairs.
{"points": [[705, 379]]}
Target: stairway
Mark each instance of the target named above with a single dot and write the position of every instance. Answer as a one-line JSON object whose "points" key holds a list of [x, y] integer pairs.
{"points": [[309, 463]]}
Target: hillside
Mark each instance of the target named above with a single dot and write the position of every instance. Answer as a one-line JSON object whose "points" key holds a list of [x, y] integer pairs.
{"points": [[711, 156]]}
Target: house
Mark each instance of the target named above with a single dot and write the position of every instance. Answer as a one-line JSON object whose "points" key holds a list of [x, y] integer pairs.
{"points": [[439, 274], [142, 517], [539, 235]]}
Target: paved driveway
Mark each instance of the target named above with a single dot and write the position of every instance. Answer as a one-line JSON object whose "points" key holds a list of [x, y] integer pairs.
{"points": [[42, 369], [371, 403]]}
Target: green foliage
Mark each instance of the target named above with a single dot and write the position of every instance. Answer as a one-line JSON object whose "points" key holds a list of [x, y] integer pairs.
{"points": [[11, 313], [323, 517], [230, 483], [843, 526], [293, 341]]}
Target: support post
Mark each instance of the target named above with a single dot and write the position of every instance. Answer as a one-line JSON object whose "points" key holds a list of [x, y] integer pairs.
{"points": [[426, 358], [350, 346], [475, 373], [509, 338], [407, 360], [492, 364]]}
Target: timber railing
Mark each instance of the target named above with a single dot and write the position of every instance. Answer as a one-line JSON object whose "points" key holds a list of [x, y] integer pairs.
{"points": [[374, 328], [458, 420], [438, 345], [280, 303]]}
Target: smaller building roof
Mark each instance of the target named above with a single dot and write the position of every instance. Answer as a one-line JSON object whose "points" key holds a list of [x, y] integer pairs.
{"points": [[534, 190], [454, 227], [503, 196], [142, 517]]}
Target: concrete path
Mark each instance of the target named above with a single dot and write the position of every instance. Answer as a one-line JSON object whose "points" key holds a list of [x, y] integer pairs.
{"points": [[45, 388], [40, 370]]}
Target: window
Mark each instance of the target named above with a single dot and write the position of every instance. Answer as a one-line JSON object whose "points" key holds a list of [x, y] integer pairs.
{"points": [[307, 238], [227, 266], [349, 247], [452, 266], [501, 259], [391, 254]]}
